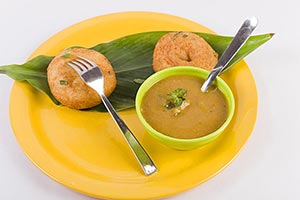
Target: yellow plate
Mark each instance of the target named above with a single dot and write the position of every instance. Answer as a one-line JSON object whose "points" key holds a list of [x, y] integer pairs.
{"points": [[86, 152]]}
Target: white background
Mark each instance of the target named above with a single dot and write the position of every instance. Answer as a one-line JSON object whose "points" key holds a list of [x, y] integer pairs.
{"points": [[267, 167]]}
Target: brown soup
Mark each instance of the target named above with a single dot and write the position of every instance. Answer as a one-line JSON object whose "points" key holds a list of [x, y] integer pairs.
{"points": [[176, 107]]}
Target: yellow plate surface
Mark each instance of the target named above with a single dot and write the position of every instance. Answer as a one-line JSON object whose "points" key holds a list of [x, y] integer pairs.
{"points": [[85, 150]]}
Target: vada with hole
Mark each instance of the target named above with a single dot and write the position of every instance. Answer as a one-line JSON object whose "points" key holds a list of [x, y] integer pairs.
{"points": [[183, 49]]}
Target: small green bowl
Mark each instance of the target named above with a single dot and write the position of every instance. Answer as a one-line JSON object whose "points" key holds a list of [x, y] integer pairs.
{"points": [[176, 143]]}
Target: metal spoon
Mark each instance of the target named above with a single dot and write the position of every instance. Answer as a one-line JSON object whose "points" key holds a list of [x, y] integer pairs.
{"points": [[237, 42]]}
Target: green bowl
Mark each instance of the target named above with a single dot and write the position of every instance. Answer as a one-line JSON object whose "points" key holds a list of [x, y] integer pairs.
{"points": [[176, 143]]}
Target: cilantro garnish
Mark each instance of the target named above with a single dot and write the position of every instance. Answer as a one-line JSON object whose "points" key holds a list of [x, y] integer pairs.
{"points": [[175, 98], [63, 82]]}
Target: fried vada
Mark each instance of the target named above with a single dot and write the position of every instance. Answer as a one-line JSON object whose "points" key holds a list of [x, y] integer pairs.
{"points": [[67, 86], [183, 49]]}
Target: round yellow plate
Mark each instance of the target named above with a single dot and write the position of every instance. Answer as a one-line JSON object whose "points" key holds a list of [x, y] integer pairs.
{"points": [[85, 150]]}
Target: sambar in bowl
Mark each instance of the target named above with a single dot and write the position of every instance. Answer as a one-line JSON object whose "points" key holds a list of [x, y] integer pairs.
{"points": [[174, 110]]}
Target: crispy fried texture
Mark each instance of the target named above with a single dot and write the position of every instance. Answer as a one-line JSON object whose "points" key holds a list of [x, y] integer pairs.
{"points": [[183, 49], [67, 86]]}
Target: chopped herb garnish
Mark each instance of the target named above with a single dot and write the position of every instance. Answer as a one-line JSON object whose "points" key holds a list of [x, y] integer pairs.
{"points": [[185, 35], [175, 98], [67, 55], [138, 81], [63, 82]]}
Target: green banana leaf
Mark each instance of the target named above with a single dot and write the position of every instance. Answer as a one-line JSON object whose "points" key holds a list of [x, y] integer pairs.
{"points": [[131, 58]]}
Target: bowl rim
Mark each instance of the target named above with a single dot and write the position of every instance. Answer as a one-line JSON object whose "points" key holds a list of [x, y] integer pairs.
{"points": [[184, 70]]}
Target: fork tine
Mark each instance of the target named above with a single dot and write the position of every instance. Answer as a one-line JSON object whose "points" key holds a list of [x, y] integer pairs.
{"points": [[85, 64], [80, 64], [75, 67], [88, 61]]}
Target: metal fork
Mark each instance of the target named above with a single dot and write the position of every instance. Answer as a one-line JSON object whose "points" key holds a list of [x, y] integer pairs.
{"points": [[92, 75]]}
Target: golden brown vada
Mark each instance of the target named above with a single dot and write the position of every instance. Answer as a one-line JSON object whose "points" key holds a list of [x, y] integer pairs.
{"points": [[67, 86], [183, 49]]}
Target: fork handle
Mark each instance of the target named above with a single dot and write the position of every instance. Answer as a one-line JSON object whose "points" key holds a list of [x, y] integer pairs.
{"points": [[144, 159]]}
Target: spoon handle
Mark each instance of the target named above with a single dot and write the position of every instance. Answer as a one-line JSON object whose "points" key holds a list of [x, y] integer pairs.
{"points": [[237, 42]]}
